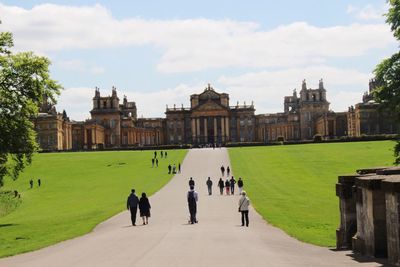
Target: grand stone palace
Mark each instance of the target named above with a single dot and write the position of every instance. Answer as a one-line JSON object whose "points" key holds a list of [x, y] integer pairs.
{"points": [[210, 119]]}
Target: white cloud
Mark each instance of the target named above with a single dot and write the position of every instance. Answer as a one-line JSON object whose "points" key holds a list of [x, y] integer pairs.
{"points": [[368, 12], [76, 65], [191, 44], [77, 102], [267, 89]]}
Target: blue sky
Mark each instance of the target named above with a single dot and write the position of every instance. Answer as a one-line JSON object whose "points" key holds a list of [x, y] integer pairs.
{"points": [[160, 52]]}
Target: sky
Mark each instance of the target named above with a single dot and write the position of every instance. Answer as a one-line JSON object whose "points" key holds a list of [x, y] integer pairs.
{"points": [[158, 53]]}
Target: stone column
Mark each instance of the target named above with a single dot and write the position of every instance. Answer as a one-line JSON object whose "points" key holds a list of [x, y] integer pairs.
{"points": [[227, 129], [223, 128], [193, 130], [198, 129], [371, 236], [215, 130], [205, 130], [347, 206]]}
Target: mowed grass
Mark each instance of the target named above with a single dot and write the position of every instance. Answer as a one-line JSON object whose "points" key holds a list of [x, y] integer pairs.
{"points": [[79, 190], [293, 187]]}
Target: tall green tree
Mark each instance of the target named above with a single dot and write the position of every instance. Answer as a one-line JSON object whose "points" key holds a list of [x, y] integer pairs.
{"points": [[24, 80], [387, 72]]}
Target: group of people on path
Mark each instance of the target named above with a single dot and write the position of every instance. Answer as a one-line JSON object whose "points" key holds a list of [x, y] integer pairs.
{"points": [[229, 184], [172, 169], [143, 203]]}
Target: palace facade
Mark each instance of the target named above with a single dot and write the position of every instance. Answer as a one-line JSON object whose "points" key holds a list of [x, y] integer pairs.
{"points": [[210, 119]]}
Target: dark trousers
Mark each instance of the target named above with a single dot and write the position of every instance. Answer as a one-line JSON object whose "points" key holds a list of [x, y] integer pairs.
{"points": [[221, 190], [193, 211], [245, 217], [133, 211], [209, 190], [232, 190]]}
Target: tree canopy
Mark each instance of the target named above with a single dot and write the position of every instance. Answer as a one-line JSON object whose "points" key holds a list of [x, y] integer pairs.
{"points": [[24, 80], [387, 72]]}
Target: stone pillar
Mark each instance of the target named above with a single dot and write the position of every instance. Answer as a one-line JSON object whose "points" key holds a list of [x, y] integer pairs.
{"points": [[370, 239], [205, 131], [193, 130], [198, 129], [223, 128], [215, 130], [347, 206], [227, 129]]}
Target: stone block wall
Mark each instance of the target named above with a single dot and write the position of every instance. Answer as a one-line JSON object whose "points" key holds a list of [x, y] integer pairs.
{"points": [[369, 203]]}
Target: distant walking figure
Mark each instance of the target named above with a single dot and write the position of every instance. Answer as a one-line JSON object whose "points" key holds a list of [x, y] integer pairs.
{"points": [[131, 204], [240, 185], [221, 186], [144, 208], [228, 171], [222, 170], [192, 198], [162, 154], [191, 182], [244, 203], [39, 182], [152, 162], [169, 169], [209, 186], [165, 154], [156, 162], [227, 186], [179, 168], [31, 183], [174, 169], [233, 182], [155, 154]]}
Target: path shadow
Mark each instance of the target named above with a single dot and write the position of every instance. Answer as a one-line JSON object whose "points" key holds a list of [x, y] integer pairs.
{"points": [[8, 225], [364, 259]]}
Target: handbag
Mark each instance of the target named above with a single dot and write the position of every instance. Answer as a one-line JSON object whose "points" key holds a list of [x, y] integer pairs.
{"points": [[241, 204]]}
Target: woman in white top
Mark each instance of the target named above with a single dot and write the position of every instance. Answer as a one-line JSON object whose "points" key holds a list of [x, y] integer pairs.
{"points": [[244, 203]]}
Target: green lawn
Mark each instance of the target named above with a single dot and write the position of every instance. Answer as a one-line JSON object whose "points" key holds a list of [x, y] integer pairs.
{"points": [[79, 190], [293, 187]]}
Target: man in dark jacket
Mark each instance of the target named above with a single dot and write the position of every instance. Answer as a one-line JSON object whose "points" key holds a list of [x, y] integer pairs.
{"points": [[209, 186], [132, 204]]}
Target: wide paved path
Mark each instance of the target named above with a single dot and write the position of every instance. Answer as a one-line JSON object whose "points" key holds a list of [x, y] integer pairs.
{"points": [[168, 240]]}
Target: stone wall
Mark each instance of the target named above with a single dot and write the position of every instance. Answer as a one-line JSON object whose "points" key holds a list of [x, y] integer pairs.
{"points": [[369, 204]]}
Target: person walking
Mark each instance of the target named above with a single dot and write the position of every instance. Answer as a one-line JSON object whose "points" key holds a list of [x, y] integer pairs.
{"points": [[152, 162], [144, 208], [227, 186], [156, 162], [179, 168], [240, 185], [191, 182], [162, 154], [244, 203], [132, 204], [221, 186], [192, 198], [232, 182], [174, 169], [39, 182], [155, 154], [222, 170], [228, 171], [31, 183], [209, 186], [165, 154], [169, 169]]}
